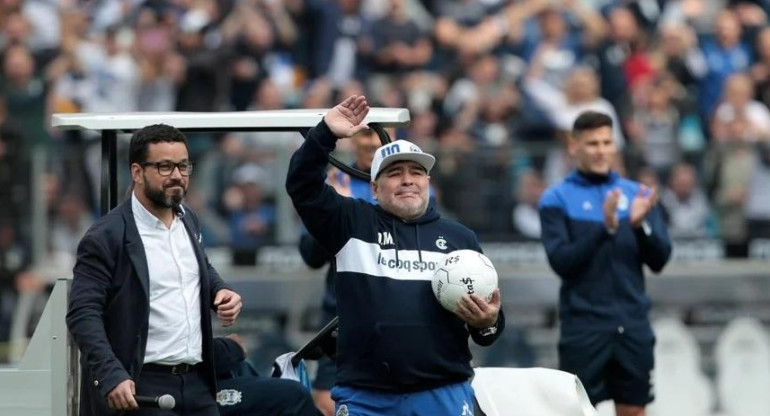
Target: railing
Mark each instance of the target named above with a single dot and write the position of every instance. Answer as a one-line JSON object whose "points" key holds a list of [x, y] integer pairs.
{"points": [[46, 379]]}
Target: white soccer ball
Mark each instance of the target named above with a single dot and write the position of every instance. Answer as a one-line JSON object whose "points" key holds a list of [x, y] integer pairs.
{"points": [[463, 272]]}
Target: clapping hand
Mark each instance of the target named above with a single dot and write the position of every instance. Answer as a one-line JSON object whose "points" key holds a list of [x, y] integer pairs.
{"points": [[610, 208], [642, 204]]}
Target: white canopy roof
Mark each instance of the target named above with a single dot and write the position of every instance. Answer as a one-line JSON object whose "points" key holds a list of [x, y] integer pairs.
{"points": [[210, 121]]}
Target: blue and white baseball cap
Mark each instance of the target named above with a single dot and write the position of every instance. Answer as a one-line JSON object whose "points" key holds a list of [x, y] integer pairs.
{"points": [[398, 151]]}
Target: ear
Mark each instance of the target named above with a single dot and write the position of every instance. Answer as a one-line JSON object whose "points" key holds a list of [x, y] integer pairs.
{"points": [[136, 173], [374, 188], [572, 144]]}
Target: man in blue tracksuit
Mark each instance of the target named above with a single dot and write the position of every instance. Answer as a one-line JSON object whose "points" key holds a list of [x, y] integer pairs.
{"points": [[398, 351], [598, 231]]}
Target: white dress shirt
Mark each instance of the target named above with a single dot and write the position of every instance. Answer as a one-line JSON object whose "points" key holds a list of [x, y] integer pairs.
{"points": [[174, 334]]}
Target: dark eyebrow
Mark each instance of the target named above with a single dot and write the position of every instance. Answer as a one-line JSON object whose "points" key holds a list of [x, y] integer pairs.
{"points": [[393, 166], [171, 161]]}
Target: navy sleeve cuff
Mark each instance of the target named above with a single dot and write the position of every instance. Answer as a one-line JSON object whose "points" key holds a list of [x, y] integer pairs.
{"points": [[325, 137]]}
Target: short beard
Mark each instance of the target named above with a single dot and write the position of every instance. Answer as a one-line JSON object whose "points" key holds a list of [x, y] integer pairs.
{"points": [[160, 199], [408, 212]]}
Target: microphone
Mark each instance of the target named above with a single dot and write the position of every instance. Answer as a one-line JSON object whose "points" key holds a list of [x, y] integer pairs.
{"points": [[178, 210], [165, 401]]}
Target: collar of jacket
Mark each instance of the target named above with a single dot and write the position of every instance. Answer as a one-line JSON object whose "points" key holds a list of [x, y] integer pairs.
{"points": [[584, 178], [431, 214]]}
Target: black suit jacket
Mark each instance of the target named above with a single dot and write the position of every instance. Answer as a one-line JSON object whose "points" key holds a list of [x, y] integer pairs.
{"points": [[109, 305]]}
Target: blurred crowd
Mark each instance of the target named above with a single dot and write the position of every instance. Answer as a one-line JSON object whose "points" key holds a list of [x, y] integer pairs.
{"points": [[492, 87]]}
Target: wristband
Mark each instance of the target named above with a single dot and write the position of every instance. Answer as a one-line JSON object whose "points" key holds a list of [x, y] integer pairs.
{"points": [[485, 332], [646, 228]]}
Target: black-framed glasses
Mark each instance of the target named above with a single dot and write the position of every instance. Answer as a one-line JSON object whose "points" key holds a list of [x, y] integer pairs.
{"points": [[166, 168]]}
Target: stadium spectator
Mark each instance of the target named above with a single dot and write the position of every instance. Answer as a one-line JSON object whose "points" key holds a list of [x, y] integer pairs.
{"points": [[161, 65], [14, 177], [599, 230], [14, 259], [26, 94], [738, 102], [722, 56], [621, 59], [260, 32], [465, 29], [686, 208], [656, 125], [678, 49], [581, 93], [758, 196], [70, 224], [398, 350], [760, 71], [558, 48], [142, 289], [529, 189], [398, 43], [732, 164], [14, 254], [201, 86], [696, 13], [252, 217], [336, 46]]}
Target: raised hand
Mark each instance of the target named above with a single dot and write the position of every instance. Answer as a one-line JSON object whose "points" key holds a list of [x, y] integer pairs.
{"points": [[610, 208], [346, 118], [642, 204]]}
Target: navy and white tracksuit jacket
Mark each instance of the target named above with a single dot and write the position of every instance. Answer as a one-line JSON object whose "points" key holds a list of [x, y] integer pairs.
{"points": [[602, 277], [394, 335]]}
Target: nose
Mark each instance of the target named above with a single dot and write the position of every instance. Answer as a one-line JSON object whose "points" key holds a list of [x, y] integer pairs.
{"points": [[407, 179], [176, 173]]}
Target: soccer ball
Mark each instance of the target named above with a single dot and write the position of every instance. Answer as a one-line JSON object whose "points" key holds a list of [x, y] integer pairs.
{"points": [[463, 272]]}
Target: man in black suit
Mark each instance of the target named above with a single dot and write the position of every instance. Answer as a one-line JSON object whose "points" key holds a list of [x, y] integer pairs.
{"points": [[142, 289]]}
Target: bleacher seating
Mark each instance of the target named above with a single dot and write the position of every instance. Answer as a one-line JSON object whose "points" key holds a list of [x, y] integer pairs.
{"points": [[742, 356], [681, 388]]}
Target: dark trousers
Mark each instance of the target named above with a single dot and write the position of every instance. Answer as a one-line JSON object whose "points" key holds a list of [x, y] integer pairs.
{"points": [[253, 396], [190, 391]]}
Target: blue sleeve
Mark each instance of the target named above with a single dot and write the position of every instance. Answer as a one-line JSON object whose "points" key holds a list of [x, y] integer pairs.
{"points": [[655, 248], [326, 215], [566, 254]]}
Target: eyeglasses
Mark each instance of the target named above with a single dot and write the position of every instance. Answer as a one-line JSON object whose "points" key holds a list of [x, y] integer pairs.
{"points": [[167, 168]]}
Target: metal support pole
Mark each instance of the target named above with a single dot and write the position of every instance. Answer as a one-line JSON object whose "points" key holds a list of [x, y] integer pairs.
{"points": [[109, 191], [39, 231]]}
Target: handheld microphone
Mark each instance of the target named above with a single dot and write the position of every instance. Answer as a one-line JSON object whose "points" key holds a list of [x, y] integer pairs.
{"points": [[165, 401]]}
